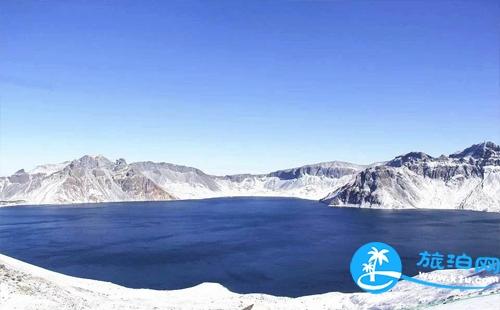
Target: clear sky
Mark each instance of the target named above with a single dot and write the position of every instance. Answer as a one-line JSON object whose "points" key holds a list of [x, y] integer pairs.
{"points": [[245, 86]]}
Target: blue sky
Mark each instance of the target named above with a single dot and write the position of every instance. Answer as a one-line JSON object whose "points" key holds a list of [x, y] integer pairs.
{"points": [[254, 86]]}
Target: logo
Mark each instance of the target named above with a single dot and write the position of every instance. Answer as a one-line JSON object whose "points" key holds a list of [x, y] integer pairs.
{"points": [[376, 267]]}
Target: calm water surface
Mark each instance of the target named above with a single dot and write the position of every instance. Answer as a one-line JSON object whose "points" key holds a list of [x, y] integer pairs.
{"points": [[279, 246]]}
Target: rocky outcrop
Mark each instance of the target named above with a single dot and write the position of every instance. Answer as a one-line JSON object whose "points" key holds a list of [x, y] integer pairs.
{"points": [[469, 179], [87, 179], [97, 179], [464, 180]]}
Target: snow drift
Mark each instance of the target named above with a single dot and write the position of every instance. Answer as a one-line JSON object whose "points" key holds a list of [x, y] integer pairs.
{"points": [[24, 286]]}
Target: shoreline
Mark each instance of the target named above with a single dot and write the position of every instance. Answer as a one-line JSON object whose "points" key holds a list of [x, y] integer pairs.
{"points": [[56, 204], [25, 286]]}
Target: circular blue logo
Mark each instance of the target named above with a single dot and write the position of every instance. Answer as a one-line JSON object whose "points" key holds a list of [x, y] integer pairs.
{"points": [[376, 267]]}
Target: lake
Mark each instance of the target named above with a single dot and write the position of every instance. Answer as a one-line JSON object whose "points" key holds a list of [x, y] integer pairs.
{"points": [[279, 246]]}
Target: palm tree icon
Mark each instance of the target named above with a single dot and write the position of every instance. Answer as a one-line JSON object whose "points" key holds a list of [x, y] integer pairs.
{"points": [[367, 267], [376, 257]]}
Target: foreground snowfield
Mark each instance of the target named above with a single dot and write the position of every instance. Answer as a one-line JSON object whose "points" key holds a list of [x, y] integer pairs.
{"points": [[24, 286]]}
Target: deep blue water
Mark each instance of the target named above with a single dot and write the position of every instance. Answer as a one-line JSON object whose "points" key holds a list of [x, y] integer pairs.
{"points": [[279, 246]]}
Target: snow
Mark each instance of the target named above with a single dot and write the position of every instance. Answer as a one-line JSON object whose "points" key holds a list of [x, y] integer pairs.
{"points": [[306, 187], [24, 286], [49, 168], [415, 180], [427, 193], [485, 302], [96, 179], [419, 181]]}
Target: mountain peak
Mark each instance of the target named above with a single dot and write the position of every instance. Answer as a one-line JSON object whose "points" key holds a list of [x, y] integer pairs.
{"points": [[409, 158], [121, 161], [91, 161], [481, 150]]}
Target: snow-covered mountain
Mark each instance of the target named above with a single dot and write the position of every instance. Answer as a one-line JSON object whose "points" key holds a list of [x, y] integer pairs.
{"points": [[88, 179], [469, 179], [97, 179]]}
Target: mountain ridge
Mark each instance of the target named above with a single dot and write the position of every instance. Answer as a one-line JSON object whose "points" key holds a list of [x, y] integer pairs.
{"points": [[467, 179], [98, 179]]}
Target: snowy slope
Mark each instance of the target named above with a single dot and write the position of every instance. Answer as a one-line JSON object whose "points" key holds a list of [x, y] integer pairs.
{"points": [[97, 179], [310, 182], [88, 179], [24, 286], [49, 168], [469, 179]]}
